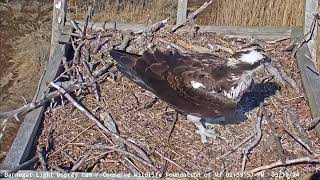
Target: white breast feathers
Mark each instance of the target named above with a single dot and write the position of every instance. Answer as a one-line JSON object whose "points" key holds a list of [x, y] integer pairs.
{"points": [[252, 57]]}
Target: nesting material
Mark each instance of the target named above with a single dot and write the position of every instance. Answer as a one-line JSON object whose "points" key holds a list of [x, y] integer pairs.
{"points": [[75, 143]]}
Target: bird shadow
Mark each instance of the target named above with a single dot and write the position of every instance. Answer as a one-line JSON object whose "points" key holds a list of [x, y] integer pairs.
{"points": [[248, 102], [259, 92]]}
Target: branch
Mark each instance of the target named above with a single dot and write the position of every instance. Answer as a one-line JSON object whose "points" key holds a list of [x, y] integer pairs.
{"points": [[276, 137], [314, 123], [68, 85], [153, 28], [20, 166], [180, 49], [236, 147], [300, 141], [192, 16], [81, 161], [305, 160], [256, 140], [307, 37], [124, 152], [125, 42], [100, 125]]}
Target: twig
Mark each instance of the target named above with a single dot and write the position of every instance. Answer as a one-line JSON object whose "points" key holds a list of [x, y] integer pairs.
{"points": [[293, 121], [194, 28], [147, 105], [300, 141], [65, 65], [132, 167], [170, 161], [109, 122], [278, 40], [236, 147], [192, 16], [153, 28], [81, 161], [180, 49], [41, 152], [125, 42], [57, 168], [288, 79], [172, 127], [281, 76], [86, 23], [76, 26], [217, 47], [314, 123], [39, 83], [49, 139], [68, 85], [193, 47], [149, 31], [258, 134], [305, 160], [307, 37], [100, 125], [62, 147], [20, 166], [77, 52], [276, 137], [116, 148]]}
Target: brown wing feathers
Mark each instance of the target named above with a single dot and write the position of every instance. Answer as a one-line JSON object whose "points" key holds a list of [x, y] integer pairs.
{"points": [[168, 75], [128, 64]]}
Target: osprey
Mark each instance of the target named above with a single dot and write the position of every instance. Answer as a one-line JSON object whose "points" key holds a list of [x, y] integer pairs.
{"points": [[202, 86]]}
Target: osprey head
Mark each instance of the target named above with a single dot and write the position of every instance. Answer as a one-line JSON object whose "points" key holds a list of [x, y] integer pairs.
{"points": [[249, 59]]}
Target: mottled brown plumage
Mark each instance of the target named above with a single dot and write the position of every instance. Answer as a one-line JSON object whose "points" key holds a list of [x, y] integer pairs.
{"points": [[169, 75]]}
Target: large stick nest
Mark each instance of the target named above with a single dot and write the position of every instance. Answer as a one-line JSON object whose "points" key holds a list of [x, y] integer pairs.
{"points": [[71, 137]]}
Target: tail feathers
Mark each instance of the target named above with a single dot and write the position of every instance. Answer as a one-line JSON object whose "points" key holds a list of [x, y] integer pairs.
{"points": [[124, 58], [127, 66], [133, 77]]}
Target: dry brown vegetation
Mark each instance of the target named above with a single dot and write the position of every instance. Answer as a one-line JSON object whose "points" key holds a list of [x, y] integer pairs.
{"points": [[221, 12], [24, 42]]}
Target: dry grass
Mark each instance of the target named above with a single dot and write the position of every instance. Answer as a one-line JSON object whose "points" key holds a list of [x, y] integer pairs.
{"points": [[255, 13], [24, 47], [136, 11], [221, 12]]}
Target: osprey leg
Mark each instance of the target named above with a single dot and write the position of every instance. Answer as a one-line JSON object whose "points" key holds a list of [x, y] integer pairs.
{"points": [[202, 130]]}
